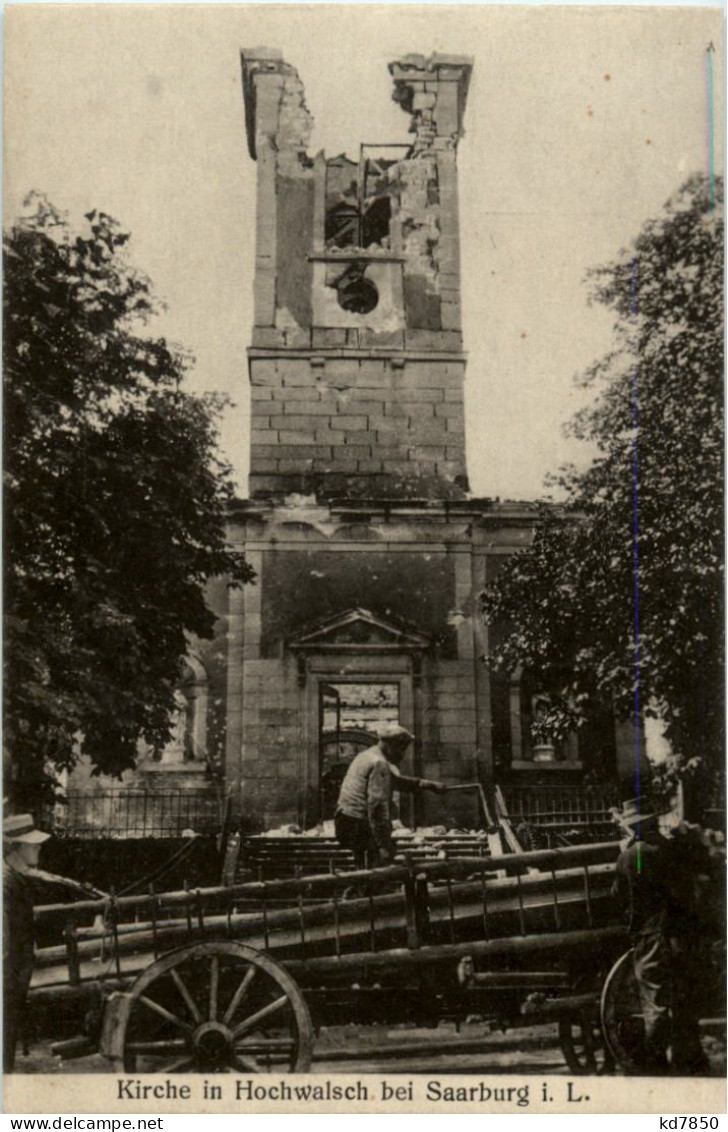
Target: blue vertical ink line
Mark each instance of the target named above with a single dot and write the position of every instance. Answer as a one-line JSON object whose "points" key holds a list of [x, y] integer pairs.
{"points": [[711, 125], [709, 53], [636, 563]]}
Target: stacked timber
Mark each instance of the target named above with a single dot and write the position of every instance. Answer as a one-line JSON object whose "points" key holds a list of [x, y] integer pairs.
{"points": [[287, 853]]}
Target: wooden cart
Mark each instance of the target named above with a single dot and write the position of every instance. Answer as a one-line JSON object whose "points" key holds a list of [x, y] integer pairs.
{"points": [[238, 978]]}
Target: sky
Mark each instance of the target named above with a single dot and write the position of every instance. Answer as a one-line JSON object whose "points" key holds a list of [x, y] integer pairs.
{"points": [[580, 124]]}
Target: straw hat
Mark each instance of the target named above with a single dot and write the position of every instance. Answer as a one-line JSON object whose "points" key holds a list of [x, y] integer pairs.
{"points": [[636, 811], [21, 828]]}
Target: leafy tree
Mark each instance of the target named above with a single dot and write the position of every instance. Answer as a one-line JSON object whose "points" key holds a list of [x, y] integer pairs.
{"points": [[619, 600], [115, 504]]}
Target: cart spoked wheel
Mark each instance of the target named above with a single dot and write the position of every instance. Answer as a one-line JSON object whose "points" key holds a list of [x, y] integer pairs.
{"points": [[580, 1034], [623, 1020], [621, 1013], [212, 1007], [582, 1045]]}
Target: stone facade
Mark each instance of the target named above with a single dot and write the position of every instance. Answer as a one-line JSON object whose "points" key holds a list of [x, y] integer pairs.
{"points": [[353, 593], [369, 552]]}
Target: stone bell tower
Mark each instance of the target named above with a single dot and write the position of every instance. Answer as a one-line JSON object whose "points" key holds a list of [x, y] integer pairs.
{"points": [[369, 551], [358, 523], [356, 365]]}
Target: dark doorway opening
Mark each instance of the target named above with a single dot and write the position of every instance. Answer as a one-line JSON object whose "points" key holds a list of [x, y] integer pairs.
{"points": [[350, 715]]}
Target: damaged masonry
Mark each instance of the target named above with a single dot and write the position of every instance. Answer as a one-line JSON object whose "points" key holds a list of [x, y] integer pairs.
{"points": [[369, 552], [357, 282]]}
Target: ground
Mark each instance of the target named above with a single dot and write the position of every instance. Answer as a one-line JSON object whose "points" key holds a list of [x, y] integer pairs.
{"points": [[472, 1049]]}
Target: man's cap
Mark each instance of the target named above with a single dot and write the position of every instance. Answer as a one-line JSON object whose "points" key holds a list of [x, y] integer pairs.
{"points": [[394, 731], [635, 811], [21, 828]]}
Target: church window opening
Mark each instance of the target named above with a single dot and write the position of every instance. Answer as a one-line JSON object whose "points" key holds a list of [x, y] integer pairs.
{"points": [[355, 292], [188, 718], [359, 198], [178, 748]]}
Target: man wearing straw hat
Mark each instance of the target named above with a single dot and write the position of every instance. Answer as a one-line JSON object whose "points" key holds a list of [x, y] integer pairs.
{"points": [[658, 880], [363, 819], [21, 847]]}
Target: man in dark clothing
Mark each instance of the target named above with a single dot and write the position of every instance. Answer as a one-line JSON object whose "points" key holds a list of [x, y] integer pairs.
{"points": [[659, 879], [21, 845], [363, 819]]}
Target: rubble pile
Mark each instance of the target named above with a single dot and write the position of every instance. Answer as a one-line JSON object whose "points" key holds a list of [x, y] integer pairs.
{"points": [[421, 836]]}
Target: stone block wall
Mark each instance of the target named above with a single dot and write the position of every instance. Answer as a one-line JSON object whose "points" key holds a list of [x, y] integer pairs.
{"points": [[449, 741], [270, 763], [362, 427]]}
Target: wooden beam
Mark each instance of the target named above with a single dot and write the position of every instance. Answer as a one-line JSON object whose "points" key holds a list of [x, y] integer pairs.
{"points": [[559, 1007], [400, 962], [541, 859], [505, 896]]}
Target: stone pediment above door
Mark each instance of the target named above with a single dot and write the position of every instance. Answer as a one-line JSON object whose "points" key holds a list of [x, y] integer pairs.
{"points": [[361, 631]]}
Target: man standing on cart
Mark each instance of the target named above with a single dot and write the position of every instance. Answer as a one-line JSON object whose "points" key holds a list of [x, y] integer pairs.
{"points": [[363, 819]]}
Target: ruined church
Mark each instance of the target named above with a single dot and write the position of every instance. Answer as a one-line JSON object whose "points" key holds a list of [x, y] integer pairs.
{"points": [[370, 552]]}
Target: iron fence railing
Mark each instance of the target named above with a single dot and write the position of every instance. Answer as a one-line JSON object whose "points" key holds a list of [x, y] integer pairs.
{"points": [[127, 814], [562, 806]]}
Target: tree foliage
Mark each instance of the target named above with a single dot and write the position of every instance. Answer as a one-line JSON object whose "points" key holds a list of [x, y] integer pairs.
{"points": [[619, 600], [115, 503]]}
